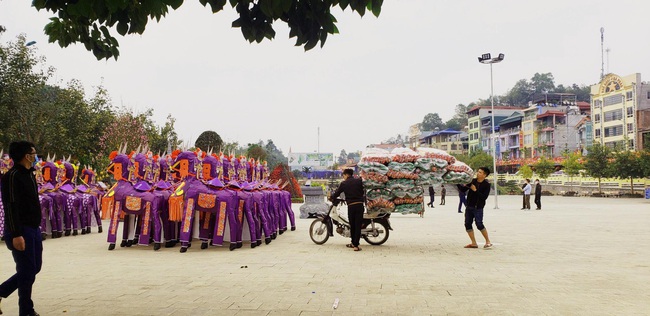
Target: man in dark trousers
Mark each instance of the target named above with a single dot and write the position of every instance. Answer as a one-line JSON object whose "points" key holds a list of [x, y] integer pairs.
{"points": [[538, 194], [462, 193], [354, 197], [443, 193], [479, 190], [22, 220], [432, 196]]}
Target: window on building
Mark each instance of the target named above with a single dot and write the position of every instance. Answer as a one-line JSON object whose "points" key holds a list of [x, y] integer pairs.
{"points": [[631, 143], [528, 126], [528, 139], [613, 131], [630, 128], [599, 103], [613, 115], [630, 112], [648, 94], [597, 132], [596, 118], [612, 99], [628, 95]]}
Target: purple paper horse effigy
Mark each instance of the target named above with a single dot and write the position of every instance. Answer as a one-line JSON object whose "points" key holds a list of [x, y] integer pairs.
{"points": [[126, 200], [208, 196]]}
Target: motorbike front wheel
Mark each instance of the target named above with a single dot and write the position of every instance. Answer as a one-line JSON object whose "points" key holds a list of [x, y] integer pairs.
{"points": [[318, 232], [377, 234]]}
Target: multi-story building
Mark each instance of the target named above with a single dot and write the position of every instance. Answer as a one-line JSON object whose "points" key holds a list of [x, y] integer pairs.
{"points": [[510, 137], [452, 141], [479, 121], [414, 135], [549, 125], [621, 111]]}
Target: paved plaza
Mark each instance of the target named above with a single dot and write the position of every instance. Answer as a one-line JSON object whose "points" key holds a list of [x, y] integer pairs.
{"points": [[578, 256]]}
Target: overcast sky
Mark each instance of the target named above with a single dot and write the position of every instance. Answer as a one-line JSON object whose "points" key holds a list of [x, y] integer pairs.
{"points": [[370, 82]]}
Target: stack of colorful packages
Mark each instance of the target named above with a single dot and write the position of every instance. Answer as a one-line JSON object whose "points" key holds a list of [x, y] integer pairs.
{"points": [[395, 181], [402, 181], [373, 171], [458, 173]]}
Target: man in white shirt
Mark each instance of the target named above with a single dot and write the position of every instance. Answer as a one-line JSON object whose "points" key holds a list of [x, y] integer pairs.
{"points": [[527, 188]]}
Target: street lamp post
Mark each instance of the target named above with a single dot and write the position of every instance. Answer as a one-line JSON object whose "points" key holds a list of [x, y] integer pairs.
{"points": [[487, 59]]}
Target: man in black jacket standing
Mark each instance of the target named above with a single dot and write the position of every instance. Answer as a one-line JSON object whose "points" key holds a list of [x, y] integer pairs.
{"points": [[22, 220], [355, 196], [479, 190], [538, 194]]}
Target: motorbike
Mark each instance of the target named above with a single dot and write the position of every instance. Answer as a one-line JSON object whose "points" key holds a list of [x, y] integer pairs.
{"points": [[374, 229]]}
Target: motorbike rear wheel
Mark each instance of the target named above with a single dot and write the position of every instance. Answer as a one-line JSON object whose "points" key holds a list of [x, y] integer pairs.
{"points": [[318, 232], [376, 236]]}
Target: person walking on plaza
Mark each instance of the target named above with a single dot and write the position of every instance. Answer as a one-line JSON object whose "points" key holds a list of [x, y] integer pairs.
{"points": [[432, 196], [443, 193], [538, 194], [479, 190], [527, 188], [355, 197], [22, 220], [462, 192]]}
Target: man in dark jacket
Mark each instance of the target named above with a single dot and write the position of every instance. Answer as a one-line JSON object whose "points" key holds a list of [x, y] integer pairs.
{"points": [[479, 190], [354, 197], [432, 196], [22, 220], [538, 194]]}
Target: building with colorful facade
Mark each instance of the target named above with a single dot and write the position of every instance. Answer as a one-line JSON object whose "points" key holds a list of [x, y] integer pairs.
{"points": [[621, 112]]}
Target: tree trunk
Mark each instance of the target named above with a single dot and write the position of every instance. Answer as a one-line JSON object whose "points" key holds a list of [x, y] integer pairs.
{"points": [[600, 191]]}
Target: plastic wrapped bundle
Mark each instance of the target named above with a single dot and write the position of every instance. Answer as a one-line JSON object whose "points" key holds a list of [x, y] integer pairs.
{"points": [[379, 193], [431, 164], [373, 167], [404, 155], [380, 206], [393, 184], [376, 155], [402, 192], [408, 208], [429, 178], [407, 200], [401, 166], [375, 176], [458, 173], [436, 154]]}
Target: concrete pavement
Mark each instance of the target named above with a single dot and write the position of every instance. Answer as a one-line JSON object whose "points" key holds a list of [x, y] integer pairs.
{"points": [[578, 256]]}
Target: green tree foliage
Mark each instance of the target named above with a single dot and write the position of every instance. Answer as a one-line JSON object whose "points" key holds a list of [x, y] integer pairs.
{"points": [[526, 172], [544, 167], [572, 164], [163, 139], [354, 156], [628, 165], [256, 151], [479, 159], [455, 124], [209, 140], [343, 157], [89, 22], [519, 94], [582, 92], [274, 155], [597, 162], [542, 83], [645, 162], [431, 121]]}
